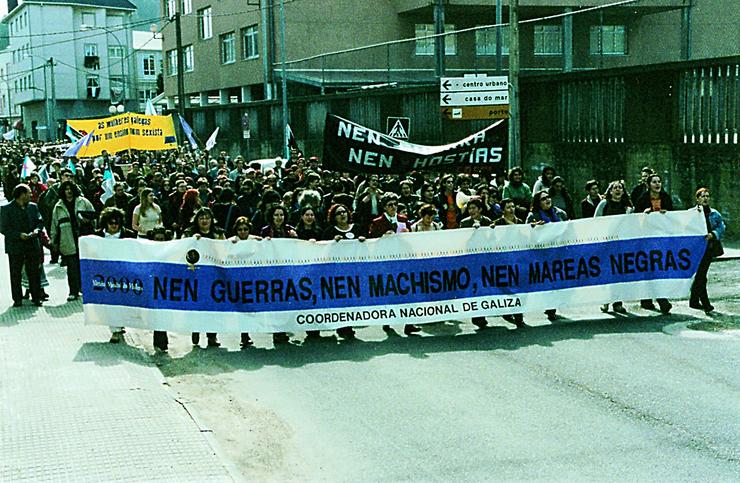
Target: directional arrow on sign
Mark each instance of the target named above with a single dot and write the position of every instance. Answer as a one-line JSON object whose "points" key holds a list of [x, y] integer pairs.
{"points": [[474, 83], [475, 98]]}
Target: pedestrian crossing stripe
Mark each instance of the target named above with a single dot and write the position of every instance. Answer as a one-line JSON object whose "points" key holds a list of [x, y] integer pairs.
{"points": [[398, 131]]}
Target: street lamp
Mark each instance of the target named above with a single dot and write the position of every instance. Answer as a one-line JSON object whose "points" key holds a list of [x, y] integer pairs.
{"points": [[116, 109], [86, 28]]}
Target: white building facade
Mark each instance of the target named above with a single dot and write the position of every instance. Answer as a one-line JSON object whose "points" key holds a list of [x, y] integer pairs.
{"points": [[69, 59]]}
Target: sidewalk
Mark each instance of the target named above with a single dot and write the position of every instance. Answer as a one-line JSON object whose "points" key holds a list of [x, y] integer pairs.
{"points": [[75, 408]]}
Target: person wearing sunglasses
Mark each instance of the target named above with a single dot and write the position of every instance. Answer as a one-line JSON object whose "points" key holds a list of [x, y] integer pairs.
{"points": [[111, 227], [541, 212]]}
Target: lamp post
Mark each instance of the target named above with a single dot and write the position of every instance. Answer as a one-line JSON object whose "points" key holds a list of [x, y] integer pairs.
{"points": [[124, 59]]}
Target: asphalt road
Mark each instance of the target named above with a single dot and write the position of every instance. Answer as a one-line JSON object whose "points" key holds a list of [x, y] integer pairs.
{"points": [[591, 397]]}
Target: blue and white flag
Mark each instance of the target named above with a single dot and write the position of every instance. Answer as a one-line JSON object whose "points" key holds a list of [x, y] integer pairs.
{"points": [[188, 132], [285, 285], [108, 182], [78, 145], [28, 167], [211, 142], [72, 166], [150, 110], [44, 174], [73, 134]]}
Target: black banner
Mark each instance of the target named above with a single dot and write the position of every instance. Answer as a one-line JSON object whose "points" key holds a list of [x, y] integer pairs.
{"points": [[349, 146]]}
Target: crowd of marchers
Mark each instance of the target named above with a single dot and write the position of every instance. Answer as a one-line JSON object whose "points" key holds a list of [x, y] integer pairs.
{"points": [[162, 195]]}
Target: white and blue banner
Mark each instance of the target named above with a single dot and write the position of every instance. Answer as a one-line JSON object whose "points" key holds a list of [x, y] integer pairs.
{"points": [[292, 285]]}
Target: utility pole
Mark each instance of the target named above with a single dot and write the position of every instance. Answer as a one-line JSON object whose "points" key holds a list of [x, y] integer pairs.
{"points": [[47, 106], [439, 42], [53, 100], [514, 156], [499, 37], [284, 82], [180, 69]]}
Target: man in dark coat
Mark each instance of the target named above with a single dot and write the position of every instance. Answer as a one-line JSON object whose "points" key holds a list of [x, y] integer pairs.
{"points": [[21, 223]]}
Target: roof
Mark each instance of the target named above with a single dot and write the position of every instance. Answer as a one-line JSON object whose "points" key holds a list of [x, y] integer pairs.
{"points": [[113, 4], [146, 40]]}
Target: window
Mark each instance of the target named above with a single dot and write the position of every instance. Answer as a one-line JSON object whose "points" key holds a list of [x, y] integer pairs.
{"points": [[249, 42], [186, 7], [93, 86], [187, 58], [608, 40], [88, 18], [485, 41], [116, 88], [172, 62], [92, 61], [228, 55], [425, 46], [116, 52], [548, 40], [149, 65], [170, 8], [147, 94], [206, 26]]}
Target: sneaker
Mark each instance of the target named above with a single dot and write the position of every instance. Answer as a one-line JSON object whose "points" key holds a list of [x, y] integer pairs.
{"points": [[480, 322], [72, 298], [346, 333], [605, 308], [665, 307], [647, 305], [213, 342], [18, 304], [519, 321], [280, 338], [619, 308], [411, 329], [246, 340]]}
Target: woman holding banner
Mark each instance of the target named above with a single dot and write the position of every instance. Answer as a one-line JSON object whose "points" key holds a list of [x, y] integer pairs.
{"points": [[542, 212], [715, 229], [615, 202], [202, 226], [242, 227], [278, 229], [655, 199]]}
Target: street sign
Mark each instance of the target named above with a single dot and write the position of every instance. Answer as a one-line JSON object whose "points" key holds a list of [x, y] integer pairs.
{"points": [[245, 126], [476, 112], [474, 98], [474, 83], [398, 127]]}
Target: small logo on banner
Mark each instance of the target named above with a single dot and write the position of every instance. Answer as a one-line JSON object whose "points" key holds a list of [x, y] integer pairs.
{"points": [[192, 257]]}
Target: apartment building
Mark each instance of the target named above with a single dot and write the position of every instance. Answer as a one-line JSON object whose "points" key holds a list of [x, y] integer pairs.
{"points": [[69, 58], [232, 48]]}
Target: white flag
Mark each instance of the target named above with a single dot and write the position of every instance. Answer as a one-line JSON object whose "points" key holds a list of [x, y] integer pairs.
{"points": [[212, 140], [108, 182], [150, 110], [10, 135]]}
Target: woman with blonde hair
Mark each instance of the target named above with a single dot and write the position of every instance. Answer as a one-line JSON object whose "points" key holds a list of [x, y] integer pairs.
{"points": [[147, 214]]}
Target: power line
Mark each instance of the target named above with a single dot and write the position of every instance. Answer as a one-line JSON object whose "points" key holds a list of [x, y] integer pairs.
{"points": [[454, 32], [122, 26]]}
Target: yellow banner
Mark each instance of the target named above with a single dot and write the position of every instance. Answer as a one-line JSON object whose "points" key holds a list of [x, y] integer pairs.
{"points": [[126, 131]]}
